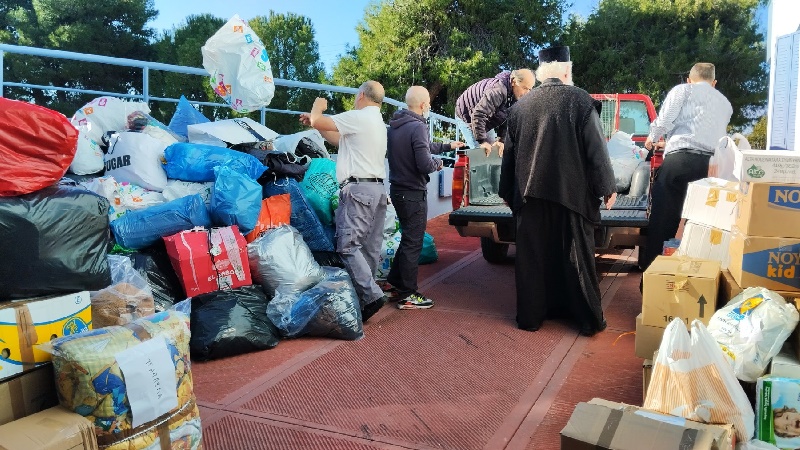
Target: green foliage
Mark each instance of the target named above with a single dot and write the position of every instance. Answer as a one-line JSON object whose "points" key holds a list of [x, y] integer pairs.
{"points": [[648, 46], [758, 137], [101, 27], [446, 45]]}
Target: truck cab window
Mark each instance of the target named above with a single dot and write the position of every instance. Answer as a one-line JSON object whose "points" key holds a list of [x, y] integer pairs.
{"points": [[633, 118]]}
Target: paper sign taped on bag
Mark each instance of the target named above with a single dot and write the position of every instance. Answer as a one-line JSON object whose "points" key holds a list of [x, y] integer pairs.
{"points": [[25, 323], [770, 209], [149, 380]]}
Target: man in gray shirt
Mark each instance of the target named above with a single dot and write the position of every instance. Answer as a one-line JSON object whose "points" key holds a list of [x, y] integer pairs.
{"points": [[693, 118]]}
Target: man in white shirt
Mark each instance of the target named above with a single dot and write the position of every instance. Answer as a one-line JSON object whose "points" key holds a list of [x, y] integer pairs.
{"points": [[693, 118], [360, 135]]}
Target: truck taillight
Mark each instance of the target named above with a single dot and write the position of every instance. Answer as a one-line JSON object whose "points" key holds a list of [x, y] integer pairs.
{"points": [[459, 197]]}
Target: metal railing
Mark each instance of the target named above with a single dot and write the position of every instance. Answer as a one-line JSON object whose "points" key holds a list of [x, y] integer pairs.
{"points": [[145, 66]]}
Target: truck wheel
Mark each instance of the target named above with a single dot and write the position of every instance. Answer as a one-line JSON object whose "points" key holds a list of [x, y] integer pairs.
{"points": [[493, 252]]}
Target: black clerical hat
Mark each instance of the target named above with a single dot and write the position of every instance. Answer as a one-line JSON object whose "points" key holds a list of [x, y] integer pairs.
{"points": [[553, 54]]}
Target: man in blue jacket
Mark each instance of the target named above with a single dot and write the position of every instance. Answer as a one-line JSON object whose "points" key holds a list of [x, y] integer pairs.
{"points": [[410, 162]]}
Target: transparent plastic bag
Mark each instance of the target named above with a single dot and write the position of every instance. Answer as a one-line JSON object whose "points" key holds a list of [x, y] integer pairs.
{"points": [[692, 379], [751, 329], [128, 298], [329, 309]]}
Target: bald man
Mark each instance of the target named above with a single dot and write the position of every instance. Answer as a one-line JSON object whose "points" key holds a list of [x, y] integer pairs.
{"points": [[360, 135], [410, 162], [482, 109]]}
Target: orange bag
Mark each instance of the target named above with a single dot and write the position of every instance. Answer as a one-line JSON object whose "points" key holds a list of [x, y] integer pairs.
{"points": [[275, 211]]}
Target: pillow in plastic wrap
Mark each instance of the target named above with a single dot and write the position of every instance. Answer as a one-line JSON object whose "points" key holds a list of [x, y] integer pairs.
{"points": [[304, 219], [329, 309], [90, 382], [280, 259]]}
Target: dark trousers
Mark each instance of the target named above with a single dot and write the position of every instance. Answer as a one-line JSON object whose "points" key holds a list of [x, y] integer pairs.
{"points": [[412, 211], [555, 268], [669, 191]]}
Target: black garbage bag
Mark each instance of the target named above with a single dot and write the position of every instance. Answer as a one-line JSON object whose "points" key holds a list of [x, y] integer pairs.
{"points": [[53, 241], [154, 265], [228, 323]]}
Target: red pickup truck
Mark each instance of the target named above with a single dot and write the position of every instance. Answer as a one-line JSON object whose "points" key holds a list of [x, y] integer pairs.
{"points": [[479, 211]]}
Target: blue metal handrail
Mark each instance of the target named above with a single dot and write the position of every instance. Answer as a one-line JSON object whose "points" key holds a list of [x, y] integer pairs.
{"points": [[146, 66]]}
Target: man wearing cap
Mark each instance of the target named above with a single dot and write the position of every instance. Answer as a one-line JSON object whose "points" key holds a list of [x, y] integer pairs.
{"points": [[483, 107], [693, 117], [360, 135], [556, 170]]}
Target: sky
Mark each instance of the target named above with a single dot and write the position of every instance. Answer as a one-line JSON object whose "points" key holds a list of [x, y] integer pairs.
{"points": [[334, 20]]}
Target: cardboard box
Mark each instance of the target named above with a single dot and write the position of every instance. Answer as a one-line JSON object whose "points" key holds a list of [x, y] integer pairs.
{"points": [[773, 396], [52, 429], [27, 393], [767, 166], [771, 210], [785, 364], [680, 287], [705, 242], [728, 288], [198, 271], [648, 339], [769, 262], [601, 424], [241, 130], [647, 373], [711, 202], [25, 323]]}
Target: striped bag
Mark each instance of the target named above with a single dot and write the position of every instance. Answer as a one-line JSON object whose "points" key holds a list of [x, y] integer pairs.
{"points": [[691, 379]]}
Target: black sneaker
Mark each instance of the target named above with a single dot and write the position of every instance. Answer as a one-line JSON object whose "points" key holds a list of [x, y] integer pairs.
{"points": [[370, 309]]}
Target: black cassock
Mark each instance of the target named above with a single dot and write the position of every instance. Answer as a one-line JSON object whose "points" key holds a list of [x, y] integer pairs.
{"points": [[556, 169], [555, 267]]}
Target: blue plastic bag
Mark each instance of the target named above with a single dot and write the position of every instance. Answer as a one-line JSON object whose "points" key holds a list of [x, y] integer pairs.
{"points": [[304, 219], [321, 189], [142, 228], [184, 116], [235, 199], [196, 162]]}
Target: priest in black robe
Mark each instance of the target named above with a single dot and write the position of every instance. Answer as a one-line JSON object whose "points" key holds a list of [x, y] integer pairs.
{"points": [[556, 174]]}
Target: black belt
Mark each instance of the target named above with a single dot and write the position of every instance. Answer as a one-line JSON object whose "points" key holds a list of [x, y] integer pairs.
{"points": [[692, 151], [360, 180]]}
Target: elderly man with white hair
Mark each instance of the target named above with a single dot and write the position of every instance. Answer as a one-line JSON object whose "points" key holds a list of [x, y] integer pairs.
{"points": [[555, 172]]}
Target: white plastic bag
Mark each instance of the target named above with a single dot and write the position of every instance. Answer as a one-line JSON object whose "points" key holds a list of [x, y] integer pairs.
{"points": [[751, 329], [288, 143], [137, 158], [239, 66], [105, 114], [755, 444], [721, 164], [692, 379], [88, 157], [176, 189], [122, 197], [625, 157]]}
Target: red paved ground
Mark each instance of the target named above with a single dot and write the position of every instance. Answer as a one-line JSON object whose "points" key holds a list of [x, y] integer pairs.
{"points": [[459, 376]]}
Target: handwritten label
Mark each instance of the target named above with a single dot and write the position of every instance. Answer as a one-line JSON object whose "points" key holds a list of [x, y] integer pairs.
{"points": [[149, 380]]}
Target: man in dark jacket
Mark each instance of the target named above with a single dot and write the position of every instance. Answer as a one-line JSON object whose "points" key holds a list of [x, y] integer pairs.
{"points": [[484, 106], [555, 171], [410, 162]]}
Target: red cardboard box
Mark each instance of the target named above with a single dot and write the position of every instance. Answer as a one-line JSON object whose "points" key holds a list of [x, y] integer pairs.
{"points": [[208, 261]]}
